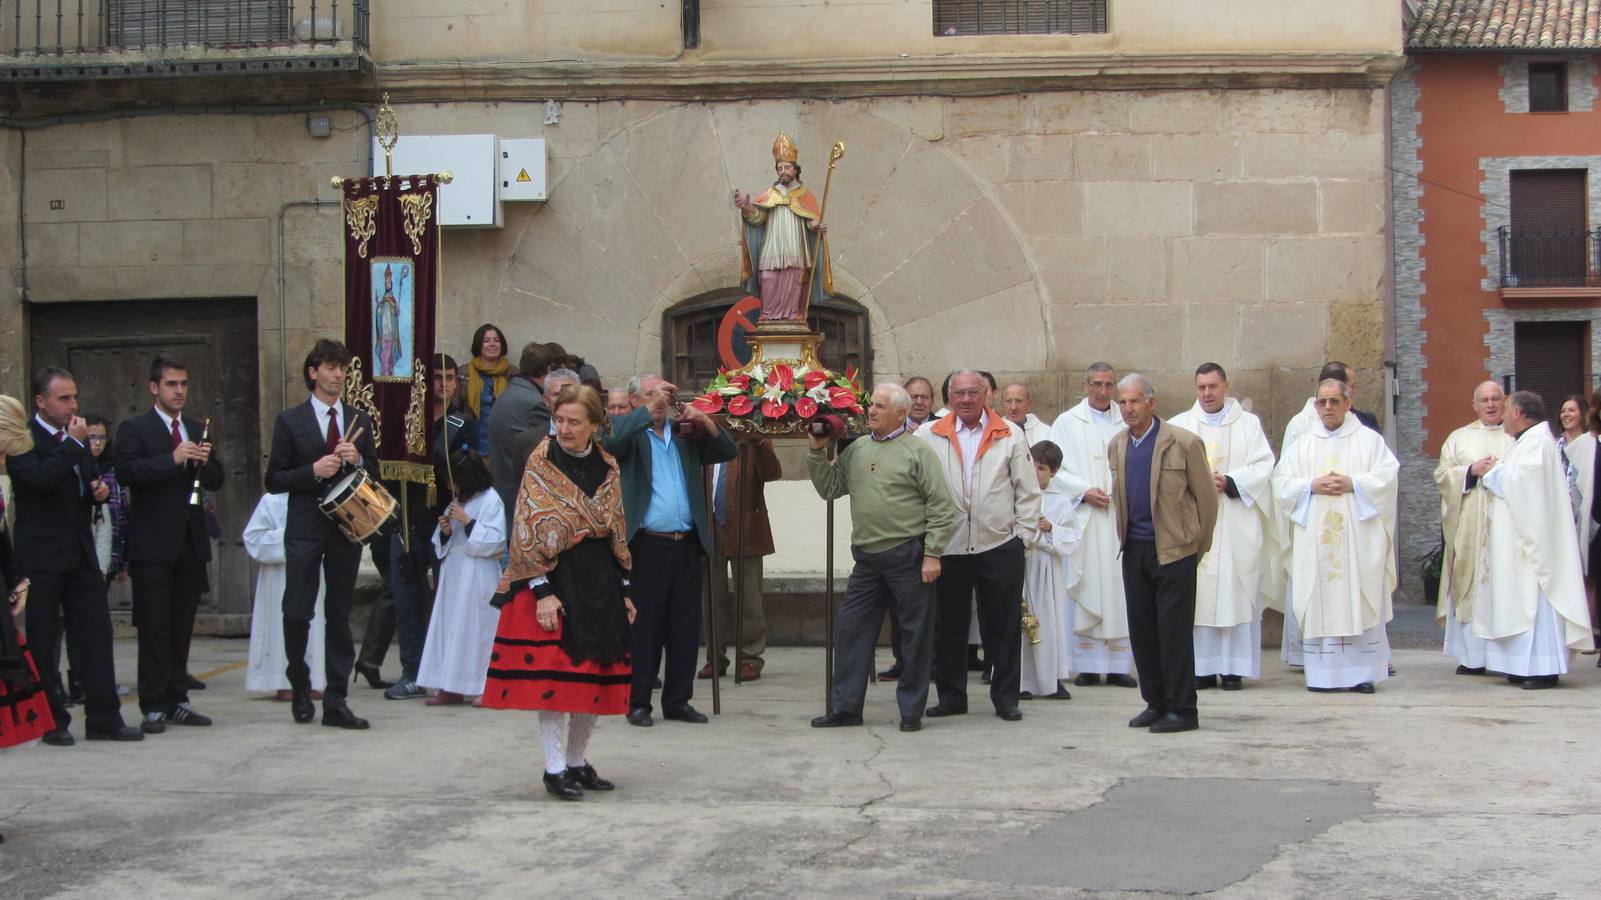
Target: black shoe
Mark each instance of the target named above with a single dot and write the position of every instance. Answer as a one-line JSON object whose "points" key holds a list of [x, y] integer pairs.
{"points": [[1009, 714], [1122, 681], [974, 664], [584, 776], [301, 707], [371, 673], [75, 695], [1232, 683], [1146, 719], [1061, 694], [941, 710], [686, 713], [1203, 682], [1539, 682], [837, 720], [340, 716], [1087, 679], [1465, 670], [1025, 695], [656, 683], [186, 715], [1515, 679], [909, 724], [989, 672], [153, 723], [561, 786], [1324, 690], [1173, 722], [1365, 687], [640, 716], [121, 733], [193, 683], [893, 673], [61, 737]]}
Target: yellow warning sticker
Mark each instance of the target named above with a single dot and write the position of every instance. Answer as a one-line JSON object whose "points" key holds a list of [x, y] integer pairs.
{"points": [[522, 176]]}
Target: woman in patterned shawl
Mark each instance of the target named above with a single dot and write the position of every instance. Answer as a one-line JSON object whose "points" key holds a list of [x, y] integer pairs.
{"points": [[562, 646]]}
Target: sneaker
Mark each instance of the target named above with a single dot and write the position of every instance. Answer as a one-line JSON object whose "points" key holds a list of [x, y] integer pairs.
{"points": [[185, 714], [154, 723], [405, 689]]}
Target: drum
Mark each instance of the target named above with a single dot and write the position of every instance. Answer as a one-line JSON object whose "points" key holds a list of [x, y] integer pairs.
{"points": [[358, 505]]}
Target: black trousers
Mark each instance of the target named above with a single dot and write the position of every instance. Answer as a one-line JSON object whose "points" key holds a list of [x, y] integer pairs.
{"points": [[165, 597], [80, 596], [336, 559], [889, 580], [997, 575], [1161, 626], [667, 583]]}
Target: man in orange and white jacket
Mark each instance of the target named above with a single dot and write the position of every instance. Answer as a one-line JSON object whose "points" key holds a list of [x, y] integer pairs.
{"points": [[987, 467]]}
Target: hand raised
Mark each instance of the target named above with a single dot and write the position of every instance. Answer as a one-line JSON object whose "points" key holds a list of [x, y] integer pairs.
{"points": [[326, 466]]}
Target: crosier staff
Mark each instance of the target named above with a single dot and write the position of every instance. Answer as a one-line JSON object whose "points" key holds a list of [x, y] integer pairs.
{"points": [[835, 154]]}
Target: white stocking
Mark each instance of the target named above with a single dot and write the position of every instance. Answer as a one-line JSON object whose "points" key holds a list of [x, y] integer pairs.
{"points": [[578, 738], [550, 735]]}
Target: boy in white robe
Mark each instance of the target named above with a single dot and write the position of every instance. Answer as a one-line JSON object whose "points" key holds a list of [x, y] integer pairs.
{"points": [[1048, 655], [461, 633], [264, 542]]}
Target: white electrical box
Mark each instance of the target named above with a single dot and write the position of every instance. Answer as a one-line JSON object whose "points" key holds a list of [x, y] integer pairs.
{"points": [[522, 169], [472, 199]]}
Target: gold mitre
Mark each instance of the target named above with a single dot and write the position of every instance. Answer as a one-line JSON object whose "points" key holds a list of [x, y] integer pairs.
{"points": [[784, 149]]}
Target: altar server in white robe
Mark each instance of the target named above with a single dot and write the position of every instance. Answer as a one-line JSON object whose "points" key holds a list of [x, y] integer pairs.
{"points": [[1532, 609], [1229, 579], [1467, 454], [469, 540], [1048, 652], [264, 541], [1101, 645], [1336, 490]]}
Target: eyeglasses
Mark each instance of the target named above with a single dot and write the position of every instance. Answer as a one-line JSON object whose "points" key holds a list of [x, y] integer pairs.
{"points": [[1103, 385], [1328, 401]]}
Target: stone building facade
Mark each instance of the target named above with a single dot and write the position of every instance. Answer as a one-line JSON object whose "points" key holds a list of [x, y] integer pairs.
{"points": [[1205, 180]]}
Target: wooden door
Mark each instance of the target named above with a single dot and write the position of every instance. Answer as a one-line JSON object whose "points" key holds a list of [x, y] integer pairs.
{"points": [[109, 346]]}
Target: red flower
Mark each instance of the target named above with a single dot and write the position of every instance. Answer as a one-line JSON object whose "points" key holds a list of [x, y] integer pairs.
{"points": [[740, 405], [709, 403], [741, 381], [806, 407], [841, 398], [858, 410], [781, 376], [814, 378], [774, 409]]}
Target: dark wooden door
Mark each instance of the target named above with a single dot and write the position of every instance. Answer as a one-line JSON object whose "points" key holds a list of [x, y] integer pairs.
{"points": [[1549, 240], [1551, 359], [108, 348]]}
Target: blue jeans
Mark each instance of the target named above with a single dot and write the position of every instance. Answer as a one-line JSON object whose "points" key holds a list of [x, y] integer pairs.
{"points": [[414, 598]]}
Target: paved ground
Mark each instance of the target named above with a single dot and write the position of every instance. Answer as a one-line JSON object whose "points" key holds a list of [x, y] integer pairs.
{"points": [[1438, 785]]}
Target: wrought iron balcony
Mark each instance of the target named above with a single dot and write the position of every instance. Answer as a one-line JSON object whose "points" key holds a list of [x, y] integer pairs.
{"points": [[1550, 257], [80, 40]]}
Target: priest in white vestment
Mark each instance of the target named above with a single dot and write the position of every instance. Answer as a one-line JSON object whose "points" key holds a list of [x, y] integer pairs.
{"points": [[264, 542], [1100, 614], [1230, 577], [1336, 490], [1532, 608], [1465, 457], [1018, 407]]}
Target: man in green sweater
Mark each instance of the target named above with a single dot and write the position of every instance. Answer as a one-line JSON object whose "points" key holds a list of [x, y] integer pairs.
{"points": [[901, 515]]}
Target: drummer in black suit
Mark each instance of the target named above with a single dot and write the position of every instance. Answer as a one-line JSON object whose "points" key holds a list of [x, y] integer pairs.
{"points": [[310, 446], [160, 455]]}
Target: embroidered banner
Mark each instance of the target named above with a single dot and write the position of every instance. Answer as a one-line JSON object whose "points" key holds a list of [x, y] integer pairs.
{"points": [[391, 287]]}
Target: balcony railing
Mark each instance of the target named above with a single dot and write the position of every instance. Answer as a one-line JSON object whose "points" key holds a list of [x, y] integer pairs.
{"points": [[1550, 257], [89, 39]]}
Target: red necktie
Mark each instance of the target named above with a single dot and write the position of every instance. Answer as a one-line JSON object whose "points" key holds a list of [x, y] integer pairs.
{"points": [[61, 437], [177, 436], [333, 430]]}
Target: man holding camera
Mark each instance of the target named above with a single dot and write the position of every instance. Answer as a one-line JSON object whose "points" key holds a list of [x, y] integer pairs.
{"points": [[664, 502]]}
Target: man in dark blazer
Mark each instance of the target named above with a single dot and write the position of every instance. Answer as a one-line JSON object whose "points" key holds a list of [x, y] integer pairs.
{"points": [[664, 503], [1166, 507], [311, 445], [159, 456], [55, 490], [520, 408]]}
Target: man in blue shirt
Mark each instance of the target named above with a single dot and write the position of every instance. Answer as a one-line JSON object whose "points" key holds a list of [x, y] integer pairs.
{"points": [[664, 503]]}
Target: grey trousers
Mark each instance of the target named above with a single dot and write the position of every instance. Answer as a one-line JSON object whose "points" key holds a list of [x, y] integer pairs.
{"points": [[879, 582], [753, 644]]}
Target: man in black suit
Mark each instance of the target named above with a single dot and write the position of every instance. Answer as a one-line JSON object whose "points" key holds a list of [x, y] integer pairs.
{"points": [[55, 490], [159, 456], [310, 446]]}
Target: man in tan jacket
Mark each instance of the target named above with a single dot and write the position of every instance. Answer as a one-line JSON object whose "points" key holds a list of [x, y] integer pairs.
{"points": [[988, 470], [1166, 507]]}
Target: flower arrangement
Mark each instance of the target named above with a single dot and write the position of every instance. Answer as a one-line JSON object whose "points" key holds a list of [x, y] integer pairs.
{"points": [[782, 396]]}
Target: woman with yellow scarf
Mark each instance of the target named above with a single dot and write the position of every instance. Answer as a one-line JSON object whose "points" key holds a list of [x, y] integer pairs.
{"points": [[487, 376]]}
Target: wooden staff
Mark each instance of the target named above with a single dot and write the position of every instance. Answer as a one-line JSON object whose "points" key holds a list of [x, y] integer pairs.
{"points": [[835, 154]]}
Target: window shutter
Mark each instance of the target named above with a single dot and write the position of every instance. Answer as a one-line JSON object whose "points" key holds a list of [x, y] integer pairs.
{"points": [[1549, 359]]}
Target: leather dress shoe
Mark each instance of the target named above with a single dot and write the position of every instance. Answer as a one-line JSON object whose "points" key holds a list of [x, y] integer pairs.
{"points": [[193, 683], [300, 706], [1470, 670], [1539, 682], [153, 723], [837, 720], [61, 737], [686, 714], [119, 733], [1009, 714], [584, 776], [1365, 687], [1203, 682], [640, 716], [1173, 722], [705, 672], [1122, 681], [893, 673], [372, 674], [1061, 693], [909, 724], [1087, 679], [562, 787], [941, 710], [749, 671], [1232, 683], [1514, 679], [1146, 719], [340, 716]]}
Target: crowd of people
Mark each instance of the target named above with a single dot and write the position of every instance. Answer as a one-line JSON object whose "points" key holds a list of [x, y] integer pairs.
{"points": [[557, 564]]}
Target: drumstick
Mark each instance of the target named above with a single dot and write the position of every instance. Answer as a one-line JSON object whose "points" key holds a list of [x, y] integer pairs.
{"points": [[354, 433]]}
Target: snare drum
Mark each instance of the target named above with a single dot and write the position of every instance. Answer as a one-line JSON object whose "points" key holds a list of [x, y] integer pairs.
{"points": [[358, 505]]}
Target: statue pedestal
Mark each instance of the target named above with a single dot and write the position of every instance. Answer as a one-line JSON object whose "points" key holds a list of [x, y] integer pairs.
{"points": [[791, 342]]}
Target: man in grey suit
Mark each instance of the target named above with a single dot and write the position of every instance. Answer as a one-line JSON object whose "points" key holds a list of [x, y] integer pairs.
{"points": [[519, 408]]}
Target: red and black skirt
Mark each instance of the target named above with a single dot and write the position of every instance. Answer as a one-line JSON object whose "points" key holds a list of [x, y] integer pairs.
{"points": [[528, 669], [24, 709]]}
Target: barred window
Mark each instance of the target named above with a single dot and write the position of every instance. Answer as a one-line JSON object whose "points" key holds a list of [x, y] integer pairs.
{"points": [[956, 18], [689, 338], [1548, 87]]}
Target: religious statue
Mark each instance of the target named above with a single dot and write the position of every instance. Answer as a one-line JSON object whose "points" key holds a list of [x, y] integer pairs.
{"points": [[783, 242]]}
